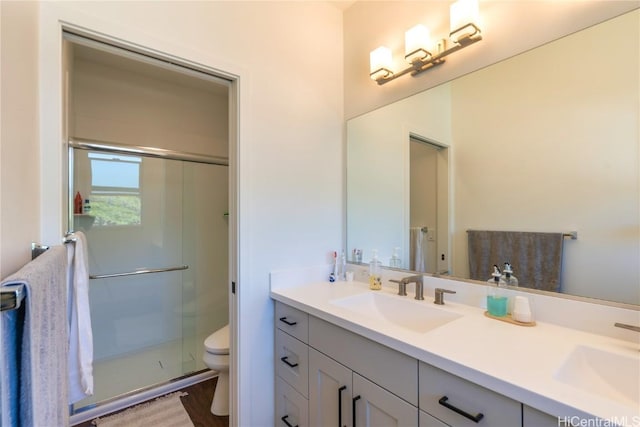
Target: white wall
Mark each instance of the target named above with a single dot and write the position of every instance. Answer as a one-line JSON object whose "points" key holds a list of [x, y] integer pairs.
{"points": [[508, 28], [289, 161], [19, 171]]}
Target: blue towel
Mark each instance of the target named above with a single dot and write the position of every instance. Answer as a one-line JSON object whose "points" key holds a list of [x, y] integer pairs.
{"points": [[12, 332], [37, 345]]}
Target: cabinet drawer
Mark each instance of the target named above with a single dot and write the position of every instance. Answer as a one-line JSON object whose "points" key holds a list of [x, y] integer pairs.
{"points": [[437, 385], [292, 321], [388, 368], [427, 420], [534, 418], [292, 362], [292, 408]]}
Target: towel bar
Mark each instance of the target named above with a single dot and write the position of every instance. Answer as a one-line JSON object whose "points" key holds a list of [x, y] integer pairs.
{"points": [[573, 235], [12, 297], [139, 271]]}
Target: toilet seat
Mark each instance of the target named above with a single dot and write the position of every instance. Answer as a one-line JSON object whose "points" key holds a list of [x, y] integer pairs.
{"points": [[218, 342]]}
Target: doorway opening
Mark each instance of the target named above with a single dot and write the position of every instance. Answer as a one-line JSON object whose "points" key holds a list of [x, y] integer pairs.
{"points": [[151, 143], [429, 205]]}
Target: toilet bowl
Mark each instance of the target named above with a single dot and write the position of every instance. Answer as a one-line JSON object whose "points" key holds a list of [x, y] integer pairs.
{"points": [[216, 357]]}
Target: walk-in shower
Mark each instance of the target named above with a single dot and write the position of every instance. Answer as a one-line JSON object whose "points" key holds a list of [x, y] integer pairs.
{"points": [[156, 222]]}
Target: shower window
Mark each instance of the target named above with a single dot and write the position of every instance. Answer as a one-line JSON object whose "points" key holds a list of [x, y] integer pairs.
{"points": [[115, 189]]}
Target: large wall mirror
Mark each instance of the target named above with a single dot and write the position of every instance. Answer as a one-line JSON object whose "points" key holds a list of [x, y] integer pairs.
{"points": [[546, 141]]}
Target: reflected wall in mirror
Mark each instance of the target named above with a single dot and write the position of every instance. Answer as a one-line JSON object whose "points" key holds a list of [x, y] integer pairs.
{"points": [[544, 141]]}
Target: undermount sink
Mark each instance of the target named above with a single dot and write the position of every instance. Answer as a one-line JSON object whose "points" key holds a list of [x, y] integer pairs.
{"points": [[610, 375], [405, 312]]}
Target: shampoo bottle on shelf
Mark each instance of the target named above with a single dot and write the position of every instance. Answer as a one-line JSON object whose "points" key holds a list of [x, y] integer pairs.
{"points": [[375, 272], [497, 299], [77, 203], [86, 209]]}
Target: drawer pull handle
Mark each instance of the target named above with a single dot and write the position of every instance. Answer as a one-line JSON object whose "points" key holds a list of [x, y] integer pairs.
{"points": [[285, 359], [340, 390], [475, 418], [284, 320], [353, 408], [284, 420]]}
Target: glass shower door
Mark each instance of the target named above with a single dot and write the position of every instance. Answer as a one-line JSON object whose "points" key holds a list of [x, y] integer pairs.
{"points": [[150, 214]]}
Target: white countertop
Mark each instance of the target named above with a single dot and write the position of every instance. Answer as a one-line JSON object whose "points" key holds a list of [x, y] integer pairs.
{"points": [[516, 361]]}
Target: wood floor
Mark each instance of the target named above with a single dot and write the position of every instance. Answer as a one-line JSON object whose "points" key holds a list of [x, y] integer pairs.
{"points": [[197, 404]]}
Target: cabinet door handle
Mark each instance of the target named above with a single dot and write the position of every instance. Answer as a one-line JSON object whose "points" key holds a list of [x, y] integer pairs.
{"points": [[475, 418], [284, 420], [284, 320], [353, 408], [285, 359], [340, 390]]}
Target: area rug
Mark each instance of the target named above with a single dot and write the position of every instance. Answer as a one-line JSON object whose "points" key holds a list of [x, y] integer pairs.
{"points": [[165, 411]]}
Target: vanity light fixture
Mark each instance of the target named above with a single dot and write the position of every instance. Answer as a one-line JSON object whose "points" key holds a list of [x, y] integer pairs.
{"points": [[421, 53]]}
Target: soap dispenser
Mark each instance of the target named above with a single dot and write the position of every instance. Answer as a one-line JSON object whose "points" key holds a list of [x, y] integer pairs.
{"points": [[395, 261], [497, 299], [375, 272], [508, 276]]}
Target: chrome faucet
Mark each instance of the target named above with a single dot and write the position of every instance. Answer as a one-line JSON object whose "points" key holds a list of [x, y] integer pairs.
{"points": [[402, 285], [440, 295], [625, 326]]}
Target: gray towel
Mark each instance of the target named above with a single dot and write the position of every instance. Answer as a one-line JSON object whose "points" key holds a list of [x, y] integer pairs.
{"points": [[42, 380], [536, 257]]}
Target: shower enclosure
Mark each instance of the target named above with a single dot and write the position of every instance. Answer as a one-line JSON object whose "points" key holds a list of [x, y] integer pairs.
{"points": [[157, 229]]}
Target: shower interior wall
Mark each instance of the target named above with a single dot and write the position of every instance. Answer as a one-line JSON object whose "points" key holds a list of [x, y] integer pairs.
{"points": [[116, 99]]}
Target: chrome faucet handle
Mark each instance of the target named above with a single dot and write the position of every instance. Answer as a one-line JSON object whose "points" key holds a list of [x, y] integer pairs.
{"points": [[625, 326], [402, 287], [440, 295]]}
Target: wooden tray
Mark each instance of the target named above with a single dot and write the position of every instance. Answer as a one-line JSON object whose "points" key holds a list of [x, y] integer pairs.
{"points": [[509, 319]]}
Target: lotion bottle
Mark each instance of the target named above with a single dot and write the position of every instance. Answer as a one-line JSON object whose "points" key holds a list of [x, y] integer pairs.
{"points": [[375, 272]]}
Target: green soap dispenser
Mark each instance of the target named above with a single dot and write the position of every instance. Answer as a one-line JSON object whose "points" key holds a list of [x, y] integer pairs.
{"points": [[497, 300]]}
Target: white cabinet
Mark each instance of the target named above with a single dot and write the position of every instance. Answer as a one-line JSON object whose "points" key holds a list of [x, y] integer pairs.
{"points": [[330, 388], [292, 368], [374, 406], [328, 376], [458, 402], [292, 409], [388, 368], [336, 393], [292, 362]]}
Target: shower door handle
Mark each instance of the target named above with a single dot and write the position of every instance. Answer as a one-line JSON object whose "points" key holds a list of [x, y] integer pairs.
{"points": [[139, 271]]}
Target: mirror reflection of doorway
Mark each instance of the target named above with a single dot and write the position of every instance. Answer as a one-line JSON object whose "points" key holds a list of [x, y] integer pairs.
{"points": [[429, 206]]}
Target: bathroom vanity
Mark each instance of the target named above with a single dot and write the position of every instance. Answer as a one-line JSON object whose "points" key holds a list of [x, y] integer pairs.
{"points": [[348, 355]]}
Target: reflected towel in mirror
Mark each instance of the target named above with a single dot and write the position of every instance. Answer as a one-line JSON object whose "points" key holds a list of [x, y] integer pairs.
{"points": [[535, 256]]}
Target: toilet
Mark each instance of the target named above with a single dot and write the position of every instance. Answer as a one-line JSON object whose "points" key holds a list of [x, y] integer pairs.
{"points": [[216, 357]]}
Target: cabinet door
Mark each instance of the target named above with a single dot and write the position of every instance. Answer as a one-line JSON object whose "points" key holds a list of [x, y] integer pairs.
{"points": [[534, 418], [329, 391], [376, 407], [292, 409]]}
